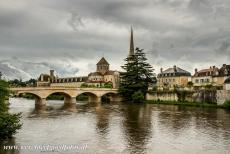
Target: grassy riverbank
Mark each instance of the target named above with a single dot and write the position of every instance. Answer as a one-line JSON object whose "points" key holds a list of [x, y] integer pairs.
{"points": [[226, 105]]}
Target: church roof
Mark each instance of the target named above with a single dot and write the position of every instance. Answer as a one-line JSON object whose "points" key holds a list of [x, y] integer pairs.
{"points": [[109, 73], [102, 61], [95, 74]]}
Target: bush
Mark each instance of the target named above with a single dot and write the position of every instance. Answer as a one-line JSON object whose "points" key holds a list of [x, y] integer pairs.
{"points": [[84, 85], [108, 85], [9, 124], [138, 97], [4, 92], [227, 104]]}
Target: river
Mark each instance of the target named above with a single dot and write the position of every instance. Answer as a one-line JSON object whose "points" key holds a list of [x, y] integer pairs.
{"points": [[120, 128]]}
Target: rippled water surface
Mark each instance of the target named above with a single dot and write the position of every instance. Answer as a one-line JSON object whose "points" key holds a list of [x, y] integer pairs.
{"points": [[121, 128]]}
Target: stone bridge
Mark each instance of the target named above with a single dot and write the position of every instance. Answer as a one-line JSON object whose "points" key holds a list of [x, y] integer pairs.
{"points": [[70, 94]]}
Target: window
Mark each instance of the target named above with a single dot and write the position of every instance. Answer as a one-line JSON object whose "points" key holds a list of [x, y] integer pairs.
{"points": [[197, 81]]}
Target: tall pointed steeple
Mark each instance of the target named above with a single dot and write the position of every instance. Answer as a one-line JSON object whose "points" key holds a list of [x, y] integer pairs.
{"points": [[131, 48]]}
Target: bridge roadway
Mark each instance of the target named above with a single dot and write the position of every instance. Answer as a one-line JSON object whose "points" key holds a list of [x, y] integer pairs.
{"points": [[69, 93]]}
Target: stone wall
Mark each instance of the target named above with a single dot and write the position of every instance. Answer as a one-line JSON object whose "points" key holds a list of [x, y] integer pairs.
{"points": [[222, 96], [162, 96], [210, 96]]}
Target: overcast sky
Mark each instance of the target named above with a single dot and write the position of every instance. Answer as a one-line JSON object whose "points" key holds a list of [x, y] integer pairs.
{"points": [[70, 36]]}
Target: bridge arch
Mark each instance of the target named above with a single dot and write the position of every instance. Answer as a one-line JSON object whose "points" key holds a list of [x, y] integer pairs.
{"points": [[30, 93], [111, 97], [92, 97], [39, 101], [68, 99]]}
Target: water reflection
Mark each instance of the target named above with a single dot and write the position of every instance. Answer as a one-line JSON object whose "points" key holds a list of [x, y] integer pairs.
{"points": [[123, 128], [137, 127], [102, 118]]}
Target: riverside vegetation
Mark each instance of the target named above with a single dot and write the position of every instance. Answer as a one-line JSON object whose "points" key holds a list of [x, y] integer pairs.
{"points": [[9, 123], [136, 77]]}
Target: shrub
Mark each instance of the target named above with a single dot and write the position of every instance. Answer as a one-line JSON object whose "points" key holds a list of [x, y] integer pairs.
{"points": [[138, 97], [84, 85], [227, 104], [9, 124], [108, 85]]}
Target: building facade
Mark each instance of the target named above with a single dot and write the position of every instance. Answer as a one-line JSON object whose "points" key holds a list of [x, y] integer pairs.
{"points": [[211, 76], [173, 77]]}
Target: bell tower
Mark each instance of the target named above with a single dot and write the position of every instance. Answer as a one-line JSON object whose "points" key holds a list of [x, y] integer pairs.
{"points": [[102, 66]]}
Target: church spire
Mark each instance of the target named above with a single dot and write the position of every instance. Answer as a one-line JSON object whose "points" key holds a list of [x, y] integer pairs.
{"points": [[131, 49]]}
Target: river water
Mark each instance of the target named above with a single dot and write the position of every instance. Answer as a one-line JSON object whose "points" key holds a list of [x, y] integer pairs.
{"points": [[119, 129]]}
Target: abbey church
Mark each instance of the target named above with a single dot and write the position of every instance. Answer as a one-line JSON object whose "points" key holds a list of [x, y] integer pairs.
{"points": [[102, 77]]}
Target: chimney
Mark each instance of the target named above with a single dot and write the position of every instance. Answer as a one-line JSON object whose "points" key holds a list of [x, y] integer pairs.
{"points": [[196, 70], [161, 69], [174, 68]]}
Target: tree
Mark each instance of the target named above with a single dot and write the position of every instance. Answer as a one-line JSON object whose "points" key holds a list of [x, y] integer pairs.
{"points": [[137, 75], [9, 123], [138, 97], [31, 82]]}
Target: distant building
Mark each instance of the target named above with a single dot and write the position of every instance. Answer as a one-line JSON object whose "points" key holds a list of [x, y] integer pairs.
{"points": [[45, 80], [104, 75], [99, 78], [211, 76], [69, 81], [224, 73], [173, 77], [205, 76]]}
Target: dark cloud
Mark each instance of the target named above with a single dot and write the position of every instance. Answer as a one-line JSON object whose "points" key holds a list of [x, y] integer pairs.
{"points": [[71, 36]]}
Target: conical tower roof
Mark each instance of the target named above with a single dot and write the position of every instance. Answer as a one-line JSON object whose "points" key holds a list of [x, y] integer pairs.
{"points": [[103, 61], [131, 48]]}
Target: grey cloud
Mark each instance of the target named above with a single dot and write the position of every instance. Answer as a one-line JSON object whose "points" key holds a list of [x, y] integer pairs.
{"points": [[75, 21], [56, 33]]}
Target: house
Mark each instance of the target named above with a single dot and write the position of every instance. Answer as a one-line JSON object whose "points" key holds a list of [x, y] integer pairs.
{"points": [[173, 77]]}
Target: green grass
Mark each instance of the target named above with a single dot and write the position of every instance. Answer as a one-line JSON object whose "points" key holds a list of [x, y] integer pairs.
{"points": [[194, 104]]}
